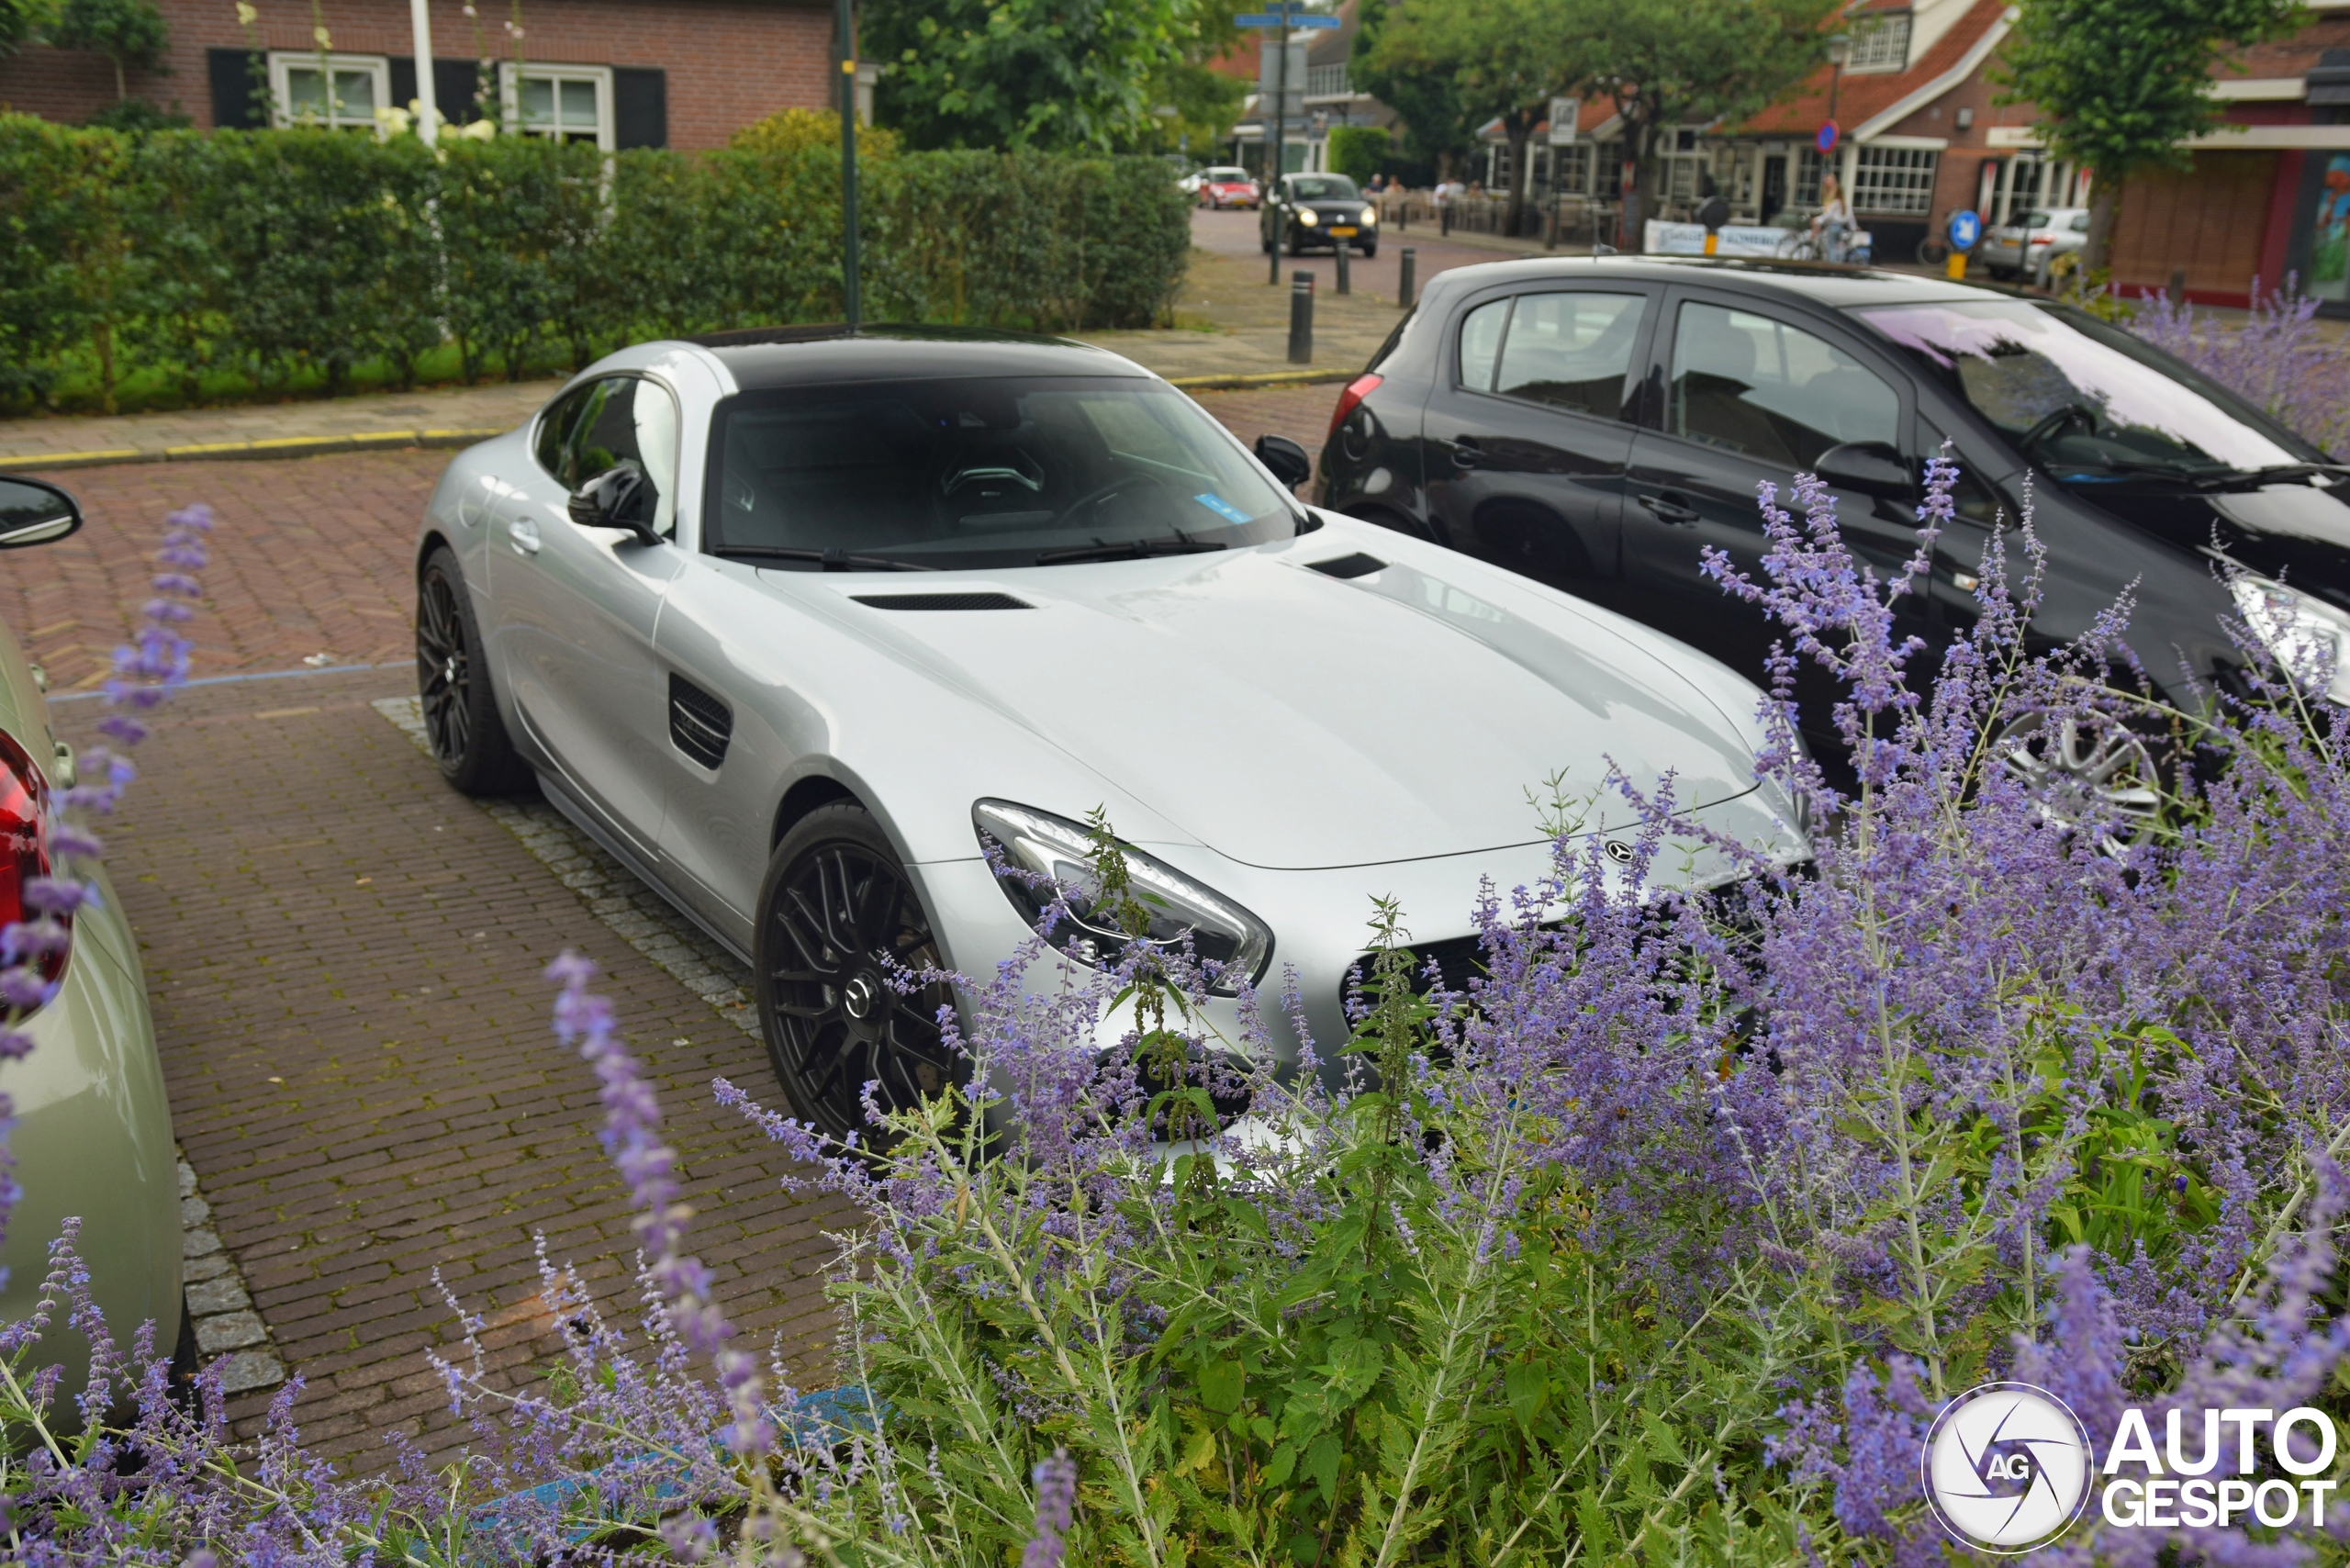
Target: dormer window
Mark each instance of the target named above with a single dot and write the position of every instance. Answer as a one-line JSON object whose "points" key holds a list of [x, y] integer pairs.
{"points": [[1880, 42]]}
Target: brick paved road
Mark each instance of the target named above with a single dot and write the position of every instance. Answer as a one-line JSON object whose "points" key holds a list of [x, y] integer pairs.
{"points": [[343, 960]]}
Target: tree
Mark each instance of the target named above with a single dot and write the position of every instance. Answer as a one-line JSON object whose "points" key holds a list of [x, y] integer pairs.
{"points": [[128, 32], [1057, 76], [1357, 151], [1502, 58], [1426, 104], [2121, 85], [1668, 63]]}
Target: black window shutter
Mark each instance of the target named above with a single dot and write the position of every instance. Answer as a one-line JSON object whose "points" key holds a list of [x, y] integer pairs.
{"points": [[640, 107], [231, 72], [454, 81], [403, 79]]}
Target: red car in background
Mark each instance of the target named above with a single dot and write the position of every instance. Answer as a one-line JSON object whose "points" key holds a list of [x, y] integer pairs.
{"points": [[1228, 187]]}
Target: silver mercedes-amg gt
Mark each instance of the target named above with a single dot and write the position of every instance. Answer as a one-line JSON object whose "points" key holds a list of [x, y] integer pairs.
{"points": [[796, 622]]}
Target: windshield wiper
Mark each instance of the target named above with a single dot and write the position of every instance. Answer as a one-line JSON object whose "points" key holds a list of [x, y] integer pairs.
{"points": [[829, 560], [1129, 550], [2253, 478]]}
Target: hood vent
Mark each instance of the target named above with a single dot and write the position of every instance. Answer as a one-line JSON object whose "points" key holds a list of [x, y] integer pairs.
{"points": [[700, 724], [1355, 565], [941, 602]]}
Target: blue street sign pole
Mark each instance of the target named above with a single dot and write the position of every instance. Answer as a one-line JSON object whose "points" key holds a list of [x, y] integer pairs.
{"points": [[1284, 16]]}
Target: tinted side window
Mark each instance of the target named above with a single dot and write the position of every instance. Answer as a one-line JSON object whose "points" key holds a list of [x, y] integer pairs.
{"points": [[1481, 343], [1774, 392], [624, 420], [1572, 351], [555, 424]]}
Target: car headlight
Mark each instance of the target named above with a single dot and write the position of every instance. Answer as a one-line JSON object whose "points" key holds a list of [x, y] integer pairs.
{"points": [[1052, 846], [2307, 636], [1308, 217], [1370, 215]]}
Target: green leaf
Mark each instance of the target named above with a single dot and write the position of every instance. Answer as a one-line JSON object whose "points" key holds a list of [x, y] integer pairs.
{"points": [[1526, 1386], [1322, 1465], [1221, 1383]]}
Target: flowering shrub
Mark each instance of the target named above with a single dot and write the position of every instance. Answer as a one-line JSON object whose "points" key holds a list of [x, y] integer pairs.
{"points": [[2279, 359], [1661, 1239]]}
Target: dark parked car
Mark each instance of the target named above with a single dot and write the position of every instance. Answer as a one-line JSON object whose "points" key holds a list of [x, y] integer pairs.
{"points": [[1308, 212], [1597, 423]]}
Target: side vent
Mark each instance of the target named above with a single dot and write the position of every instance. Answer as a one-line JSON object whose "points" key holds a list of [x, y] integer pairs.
{"points": [[698, 723], [1355, 565], [941, 602]]}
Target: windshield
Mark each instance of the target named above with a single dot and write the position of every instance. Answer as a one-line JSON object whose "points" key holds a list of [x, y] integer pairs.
{"points": [[1228, 176], [1324, 187], [2083, 400], [981, 472]]}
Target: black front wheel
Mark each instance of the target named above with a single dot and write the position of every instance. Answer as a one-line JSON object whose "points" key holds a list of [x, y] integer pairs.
{"points": [[839, 920], [468, 739]]}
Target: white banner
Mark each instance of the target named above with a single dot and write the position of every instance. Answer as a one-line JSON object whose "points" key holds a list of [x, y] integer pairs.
{"points": [[1736, 239]]}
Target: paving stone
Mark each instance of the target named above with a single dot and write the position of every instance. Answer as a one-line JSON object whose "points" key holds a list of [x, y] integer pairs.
{"points": [[230, 1331], [251, 1370], [222, 1293]]}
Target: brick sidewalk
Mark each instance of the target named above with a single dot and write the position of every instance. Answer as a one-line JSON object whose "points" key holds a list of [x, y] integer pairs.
{"points": [[343, 959]]}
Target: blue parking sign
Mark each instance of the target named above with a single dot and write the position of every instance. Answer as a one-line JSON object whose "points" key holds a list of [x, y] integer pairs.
{"points": [[1965, 227]]}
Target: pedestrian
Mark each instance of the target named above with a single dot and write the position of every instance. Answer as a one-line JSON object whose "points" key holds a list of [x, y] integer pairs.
{"points": [[1833, 224]]}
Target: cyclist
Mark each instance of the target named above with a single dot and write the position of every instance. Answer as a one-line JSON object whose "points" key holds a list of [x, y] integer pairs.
{"points": [[1833, 224]]}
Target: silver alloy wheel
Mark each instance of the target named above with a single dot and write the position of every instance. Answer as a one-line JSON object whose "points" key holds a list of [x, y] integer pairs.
{"points": [[2083, 766]]}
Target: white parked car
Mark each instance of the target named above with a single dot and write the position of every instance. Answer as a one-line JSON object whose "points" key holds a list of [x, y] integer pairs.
{"points": [[799, 624], [2029, 247]]}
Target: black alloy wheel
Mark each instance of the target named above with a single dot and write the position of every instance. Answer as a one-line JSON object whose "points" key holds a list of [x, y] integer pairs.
{"points": [[460, 721], [838, 918]]}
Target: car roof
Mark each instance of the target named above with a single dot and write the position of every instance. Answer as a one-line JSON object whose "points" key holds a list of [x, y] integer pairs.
{"points": [[762, 357], [1835, 287]]}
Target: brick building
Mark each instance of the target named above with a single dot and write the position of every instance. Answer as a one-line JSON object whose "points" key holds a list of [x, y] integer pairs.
{"points": [[618, 72]]}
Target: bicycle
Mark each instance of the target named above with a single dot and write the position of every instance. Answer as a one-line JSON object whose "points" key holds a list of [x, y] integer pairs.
{"points": [[1802, 245], [1933, 250]]}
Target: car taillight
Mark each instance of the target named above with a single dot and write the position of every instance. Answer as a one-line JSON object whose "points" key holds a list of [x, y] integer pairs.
{"points": [[1362, 386], [2041, 239], [24, 836]]}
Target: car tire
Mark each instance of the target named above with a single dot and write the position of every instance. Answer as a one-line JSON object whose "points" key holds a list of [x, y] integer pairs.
{"points": [[834, 896], [460, 711], [2002, 275], [1296, 244], [1370, 253]]}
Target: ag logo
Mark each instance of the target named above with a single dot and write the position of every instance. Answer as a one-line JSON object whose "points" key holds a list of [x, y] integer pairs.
{"points": [[1618, 851], [2005, 1467]]}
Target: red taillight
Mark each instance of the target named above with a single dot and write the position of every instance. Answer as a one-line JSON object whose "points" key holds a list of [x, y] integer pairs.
{"points": [[1362, 386], [24, 835], [2040, 239]]}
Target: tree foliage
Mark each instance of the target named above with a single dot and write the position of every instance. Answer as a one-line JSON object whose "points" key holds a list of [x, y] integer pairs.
{"points": [[1673, 62], [1426, 104], [1054, 75], [130, 34], [2122, 84]]}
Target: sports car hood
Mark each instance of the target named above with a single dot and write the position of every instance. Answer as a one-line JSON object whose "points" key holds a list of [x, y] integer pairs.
{"points": [[1289, 719]]}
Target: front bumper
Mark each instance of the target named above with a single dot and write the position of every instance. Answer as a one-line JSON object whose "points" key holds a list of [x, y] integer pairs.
{"points": [[1321, 918]]}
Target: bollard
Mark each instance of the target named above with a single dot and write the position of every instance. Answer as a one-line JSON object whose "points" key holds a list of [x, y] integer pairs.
{"points": [[1404, 214], [1301, 319], [1405, 278], [1345, 249]]}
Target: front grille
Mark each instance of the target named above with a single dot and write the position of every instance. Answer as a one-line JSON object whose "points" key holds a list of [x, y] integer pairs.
{"points": [[700, 724], [941, 602]]}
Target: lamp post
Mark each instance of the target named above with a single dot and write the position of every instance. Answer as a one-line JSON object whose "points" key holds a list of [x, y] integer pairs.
{"points": [[1839, 49], [851, 310]]}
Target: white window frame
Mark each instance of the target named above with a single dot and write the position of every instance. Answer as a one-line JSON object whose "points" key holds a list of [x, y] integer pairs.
{"points": [[283, 62], [1880, 43], [1894, 179], [509, 79]]}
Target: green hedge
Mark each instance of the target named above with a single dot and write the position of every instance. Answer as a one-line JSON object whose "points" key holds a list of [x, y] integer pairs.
{"points": [[187, 265]]}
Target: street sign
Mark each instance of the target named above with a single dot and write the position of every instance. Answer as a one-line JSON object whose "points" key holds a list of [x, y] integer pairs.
{"points": [[1827, 137], [1274, 19], [1564, 112], [1965, 227]]}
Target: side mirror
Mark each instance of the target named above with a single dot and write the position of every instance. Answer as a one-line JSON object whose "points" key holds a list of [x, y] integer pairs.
{"points": [[620, 496], [1286, 459], [33, 511], [1871, 468]]}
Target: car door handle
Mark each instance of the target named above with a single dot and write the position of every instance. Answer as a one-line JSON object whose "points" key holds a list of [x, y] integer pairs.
{"points": [[1670, 508], [523, 535], [1466, 453]]}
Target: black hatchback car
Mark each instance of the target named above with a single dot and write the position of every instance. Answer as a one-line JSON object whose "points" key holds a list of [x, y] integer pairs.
{"points": [[1307, 212], [1597, 423]]}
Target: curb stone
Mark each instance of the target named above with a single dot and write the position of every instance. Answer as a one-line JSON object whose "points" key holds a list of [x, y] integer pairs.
{"points": [[217, 1303]]}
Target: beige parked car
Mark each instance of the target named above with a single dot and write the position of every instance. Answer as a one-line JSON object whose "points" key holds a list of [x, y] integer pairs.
{"points": [[92, 1136]]}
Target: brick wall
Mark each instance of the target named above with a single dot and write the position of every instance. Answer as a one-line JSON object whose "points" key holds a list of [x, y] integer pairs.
{"points": [[728, 62]]}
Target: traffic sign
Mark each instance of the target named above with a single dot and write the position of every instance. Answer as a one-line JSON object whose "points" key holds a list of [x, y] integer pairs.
{"points": [[1275, 19], [1827, 137], [1965, 227], [1564, 112]]}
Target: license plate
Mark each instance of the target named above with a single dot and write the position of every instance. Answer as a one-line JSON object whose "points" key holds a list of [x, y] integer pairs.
{"points": [[1343, 233]]}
